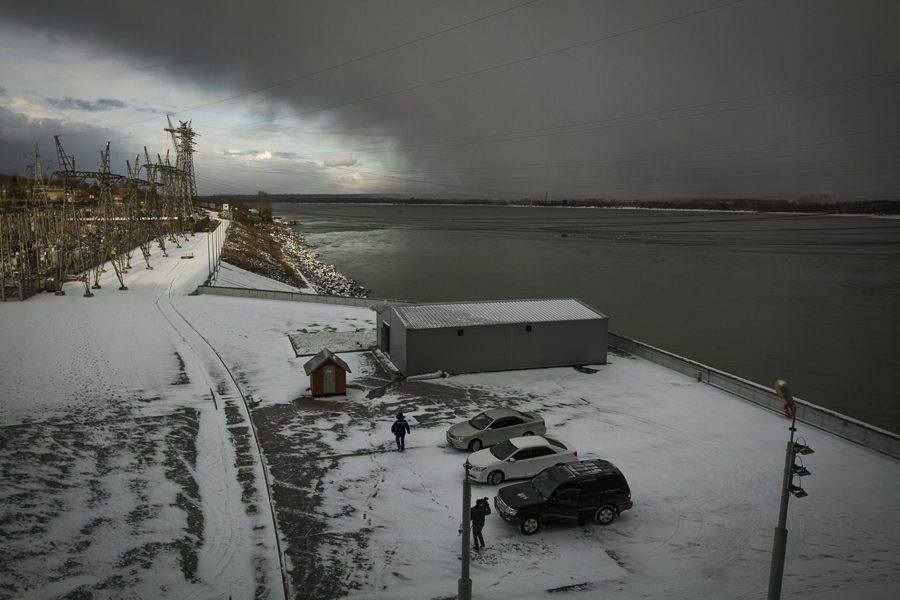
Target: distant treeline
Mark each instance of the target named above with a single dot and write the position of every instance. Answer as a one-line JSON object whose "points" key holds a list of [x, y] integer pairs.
{"points": [[880, 207]]}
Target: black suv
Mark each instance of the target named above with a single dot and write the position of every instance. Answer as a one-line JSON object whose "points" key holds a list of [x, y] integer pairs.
{"points": [[575, 491]]}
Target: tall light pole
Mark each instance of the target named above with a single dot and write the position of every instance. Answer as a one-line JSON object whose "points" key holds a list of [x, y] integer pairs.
{"points": [[465, 583], [779, 544], [209, 235]]}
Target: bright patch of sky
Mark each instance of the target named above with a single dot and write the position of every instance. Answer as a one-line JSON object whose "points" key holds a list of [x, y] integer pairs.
{"points": [[114, 99]]}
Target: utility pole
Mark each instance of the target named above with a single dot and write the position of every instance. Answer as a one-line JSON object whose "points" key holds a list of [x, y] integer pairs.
{"points": [[465, 583]]}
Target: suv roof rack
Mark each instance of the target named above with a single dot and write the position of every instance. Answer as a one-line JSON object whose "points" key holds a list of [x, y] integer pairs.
{"points": [[595, 466]]}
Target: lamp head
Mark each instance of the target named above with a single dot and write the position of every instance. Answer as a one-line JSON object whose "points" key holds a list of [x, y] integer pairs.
{"points": [[781, 388]]}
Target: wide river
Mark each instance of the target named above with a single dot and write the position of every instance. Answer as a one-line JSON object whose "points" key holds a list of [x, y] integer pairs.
{"points": [[814, 300]]}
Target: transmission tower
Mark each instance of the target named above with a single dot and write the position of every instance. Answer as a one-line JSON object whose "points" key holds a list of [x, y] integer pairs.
{"points": [[48, 239], [185, 186]]}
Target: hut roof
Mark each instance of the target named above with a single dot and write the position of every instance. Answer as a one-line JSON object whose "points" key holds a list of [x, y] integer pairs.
{"points": [[321, 358]]}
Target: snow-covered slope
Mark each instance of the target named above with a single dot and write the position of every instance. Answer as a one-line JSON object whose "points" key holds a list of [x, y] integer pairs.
{"points": [[130, 467]]}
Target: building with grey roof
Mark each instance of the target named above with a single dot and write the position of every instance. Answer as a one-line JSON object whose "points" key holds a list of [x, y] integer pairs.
{"points": [[469, 337]]}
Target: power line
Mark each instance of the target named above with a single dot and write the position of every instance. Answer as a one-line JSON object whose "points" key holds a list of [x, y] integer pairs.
{"points": [[650, 160], [609, 122], [493, 67], [322, 70]]}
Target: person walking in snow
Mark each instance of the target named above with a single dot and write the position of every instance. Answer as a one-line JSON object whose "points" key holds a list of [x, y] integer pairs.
{"points": [[400, 428], [478, 512]]}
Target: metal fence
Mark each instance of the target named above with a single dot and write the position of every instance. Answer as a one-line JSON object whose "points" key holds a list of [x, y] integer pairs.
{"points": [[811, 414]]}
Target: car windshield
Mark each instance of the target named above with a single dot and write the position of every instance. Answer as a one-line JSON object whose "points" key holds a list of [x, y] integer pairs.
{"points": [[481, 421], [545, 483], [503, 450]]}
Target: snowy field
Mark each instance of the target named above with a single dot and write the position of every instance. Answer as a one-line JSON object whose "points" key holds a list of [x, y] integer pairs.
{"points": [[133, 423]]}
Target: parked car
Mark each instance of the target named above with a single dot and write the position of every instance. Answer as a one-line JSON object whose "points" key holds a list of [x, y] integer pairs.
{"points": [[494, 426], [519, 457], [573, 492]]}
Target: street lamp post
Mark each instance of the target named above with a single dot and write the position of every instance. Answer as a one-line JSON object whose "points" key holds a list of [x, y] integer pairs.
{"points": [[209, 246], [465, 583], [779, 544]]}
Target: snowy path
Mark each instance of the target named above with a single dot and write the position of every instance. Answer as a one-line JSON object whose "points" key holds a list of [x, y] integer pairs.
{"points": [[229, 557], [123, 475], [118, 385]]}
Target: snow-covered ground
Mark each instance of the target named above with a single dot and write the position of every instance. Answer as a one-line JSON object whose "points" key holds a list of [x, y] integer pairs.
{"points": [[130, 466]]}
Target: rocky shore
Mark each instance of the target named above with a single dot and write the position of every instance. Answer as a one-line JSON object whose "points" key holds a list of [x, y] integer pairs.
{"points": [[275, 251], [322, 277]]}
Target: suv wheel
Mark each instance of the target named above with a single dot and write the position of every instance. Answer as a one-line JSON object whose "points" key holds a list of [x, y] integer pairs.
{"points": [[605, 515], [495, 477], [475, 445], [531, 524]]}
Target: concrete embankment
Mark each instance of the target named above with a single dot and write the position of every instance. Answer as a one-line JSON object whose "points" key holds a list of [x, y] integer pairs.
{"points": [[277, 252]]}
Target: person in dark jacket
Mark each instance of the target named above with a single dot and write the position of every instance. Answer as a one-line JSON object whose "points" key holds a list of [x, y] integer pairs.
{"points": [[481, 509], [400, 428]]}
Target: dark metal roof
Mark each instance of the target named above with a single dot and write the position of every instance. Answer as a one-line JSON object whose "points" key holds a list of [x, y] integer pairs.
{"points": [[461, 314], [321, 358]]}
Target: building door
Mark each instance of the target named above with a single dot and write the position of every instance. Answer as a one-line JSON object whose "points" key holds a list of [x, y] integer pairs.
{"points": [[386, 338], [329, 384]]}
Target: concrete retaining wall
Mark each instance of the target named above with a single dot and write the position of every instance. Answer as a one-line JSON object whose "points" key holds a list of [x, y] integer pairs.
{"points": [[373, 303], [828, 420]]}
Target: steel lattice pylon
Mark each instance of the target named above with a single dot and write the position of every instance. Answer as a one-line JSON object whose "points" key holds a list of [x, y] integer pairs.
{"points": [[45, 241]]}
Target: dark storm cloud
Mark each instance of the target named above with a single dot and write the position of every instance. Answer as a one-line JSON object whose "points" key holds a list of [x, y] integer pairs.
{"points": [[101, 104], [577, 98], [19, 134], [2, 91]]}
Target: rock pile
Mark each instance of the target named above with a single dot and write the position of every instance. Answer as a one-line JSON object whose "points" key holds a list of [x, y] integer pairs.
{"points": [[324, 278]]}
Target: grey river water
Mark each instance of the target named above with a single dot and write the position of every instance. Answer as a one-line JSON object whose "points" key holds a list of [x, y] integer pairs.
{"points": [[814, 300]]}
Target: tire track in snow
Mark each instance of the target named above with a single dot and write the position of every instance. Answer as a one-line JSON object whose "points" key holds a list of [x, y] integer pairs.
{"points": [[215, 362]]}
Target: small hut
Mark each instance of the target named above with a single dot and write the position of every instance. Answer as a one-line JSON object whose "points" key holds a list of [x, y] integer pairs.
{"points": [[327, 374]]}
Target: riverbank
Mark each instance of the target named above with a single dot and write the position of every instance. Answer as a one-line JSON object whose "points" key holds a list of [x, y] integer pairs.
{"points": [[275, 251]]}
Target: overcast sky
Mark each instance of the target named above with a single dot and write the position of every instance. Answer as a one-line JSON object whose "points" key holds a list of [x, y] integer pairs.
{"points": [[511, 99]]}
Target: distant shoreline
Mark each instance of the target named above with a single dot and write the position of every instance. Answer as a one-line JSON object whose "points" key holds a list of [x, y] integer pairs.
{"points": [[747, 205]]}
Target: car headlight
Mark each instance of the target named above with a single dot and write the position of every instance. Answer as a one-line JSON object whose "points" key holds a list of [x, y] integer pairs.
{"points": [[477, 468], [504, 507]]}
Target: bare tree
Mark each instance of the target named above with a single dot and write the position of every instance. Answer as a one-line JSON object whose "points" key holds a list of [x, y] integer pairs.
{"points": [[264, 206]]}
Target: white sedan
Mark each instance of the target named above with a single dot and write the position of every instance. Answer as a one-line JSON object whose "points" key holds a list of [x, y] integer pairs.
{"points": [[519, 457], [492, 427]]}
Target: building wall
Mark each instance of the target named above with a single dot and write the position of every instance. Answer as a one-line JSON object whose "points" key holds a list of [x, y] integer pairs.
{"points": [[398, 335], [317, 381], [500, 347], [563, 343]]}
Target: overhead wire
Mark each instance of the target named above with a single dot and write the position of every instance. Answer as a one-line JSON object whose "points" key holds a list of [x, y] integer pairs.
{"points": [[321, 70], [641, 161], [491, 68], [609, 122]]}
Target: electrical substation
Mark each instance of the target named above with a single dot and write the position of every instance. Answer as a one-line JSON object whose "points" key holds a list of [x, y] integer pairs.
{"points": [[75, 224]]}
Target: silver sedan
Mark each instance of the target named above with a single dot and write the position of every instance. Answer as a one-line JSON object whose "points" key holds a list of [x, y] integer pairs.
{"points": [[492, 427]]}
